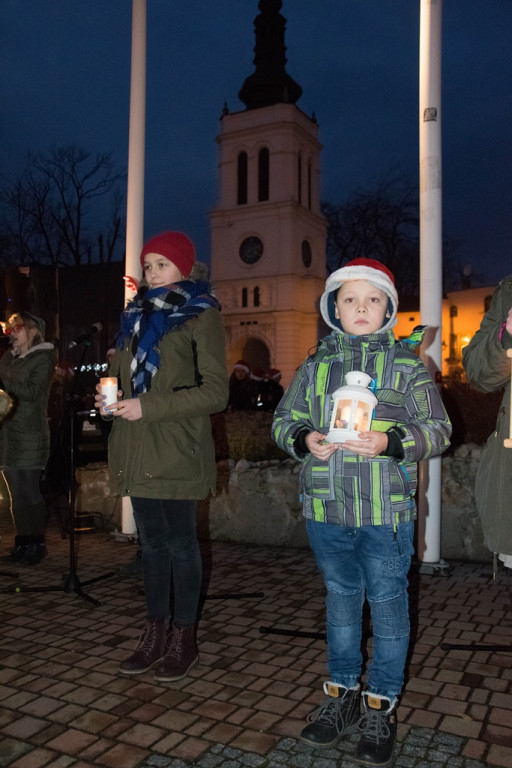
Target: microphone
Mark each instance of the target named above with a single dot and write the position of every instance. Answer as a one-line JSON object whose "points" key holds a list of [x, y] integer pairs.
{"points": [[95, 328]]}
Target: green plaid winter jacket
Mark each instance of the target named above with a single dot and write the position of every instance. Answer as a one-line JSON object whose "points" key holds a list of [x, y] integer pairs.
{"points": [[349, 489]]}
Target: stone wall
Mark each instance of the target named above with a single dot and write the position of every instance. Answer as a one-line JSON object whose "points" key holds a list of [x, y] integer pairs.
{"points": [[258, 503], [461, 530]]}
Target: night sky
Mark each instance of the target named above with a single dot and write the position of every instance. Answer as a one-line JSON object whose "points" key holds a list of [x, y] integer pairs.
{"points": [[65, 77]]}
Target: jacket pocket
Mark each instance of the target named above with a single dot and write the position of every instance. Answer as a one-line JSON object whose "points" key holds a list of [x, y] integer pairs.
{"points": [[399, 481], [316, 479], [169, 451]]}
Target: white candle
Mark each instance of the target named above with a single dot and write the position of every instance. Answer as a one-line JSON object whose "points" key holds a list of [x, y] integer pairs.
{"points": [[109, 390]]}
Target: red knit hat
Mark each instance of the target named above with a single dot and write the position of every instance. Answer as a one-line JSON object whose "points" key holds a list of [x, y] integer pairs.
{"points": [[174, 246]]}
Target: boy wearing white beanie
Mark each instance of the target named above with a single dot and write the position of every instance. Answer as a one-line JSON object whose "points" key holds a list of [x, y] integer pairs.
{"points": [[358, 498]]}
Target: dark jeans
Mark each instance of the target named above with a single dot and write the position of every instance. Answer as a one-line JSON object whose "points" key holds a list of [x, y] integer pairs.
{"points": [[28, 508], [170, 550]]}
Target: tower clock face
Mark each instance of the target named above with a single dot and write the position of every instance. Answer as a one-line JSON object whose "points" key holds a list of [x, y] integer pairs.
{"points": [[251, 250], [306, 253]]}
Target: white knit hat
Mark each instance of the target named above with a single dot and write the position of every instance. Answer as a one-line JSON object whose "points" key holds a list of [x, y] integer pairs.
{"points": [[360, 269]]}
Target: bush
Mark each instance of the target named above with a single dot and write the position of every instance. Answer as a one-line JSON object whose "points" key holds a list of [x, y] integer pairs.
{"points": [[244, 435], [473, 413]]}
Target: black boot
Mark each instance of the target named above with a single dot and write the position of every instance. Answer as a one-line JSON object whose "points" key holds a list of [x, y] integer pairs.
{"points": [[336, 717], [150, 648], [378, 726], [19, 549], [35, 551], [182, 655]]}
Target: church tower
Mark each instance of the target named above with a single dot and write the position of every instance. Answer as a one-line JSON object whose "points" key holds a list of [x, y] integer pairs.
{"points": [[267, 231]]}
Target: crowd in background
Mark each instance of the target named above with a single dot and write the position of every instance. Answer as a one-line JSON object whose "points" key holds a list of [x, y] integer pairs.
{"points": [[255, 389]]}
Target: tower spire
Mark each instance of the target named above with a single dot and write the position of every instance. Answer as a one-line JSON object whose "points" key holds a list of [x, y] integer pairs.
{"points": [[269, 84]]}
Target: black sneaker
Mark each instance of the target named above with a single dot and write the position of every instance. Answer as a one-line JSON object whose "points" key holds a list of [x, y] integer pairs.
{"points": [[336, 717], [378, 727]]}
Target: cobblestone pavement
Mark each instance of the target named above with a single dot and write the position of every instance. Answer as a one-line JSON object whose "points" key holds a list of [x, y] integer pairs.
{"points": [[421, 748], [262, 647]]}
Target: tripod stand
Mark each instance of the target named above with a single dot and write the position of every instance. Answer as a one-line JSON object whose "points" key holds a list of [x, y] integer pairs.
{"points": [[71, 582]]}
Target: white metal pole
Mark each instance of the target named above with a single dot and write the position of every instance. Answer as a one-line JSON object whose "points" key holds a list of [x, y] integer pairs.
{"points": [[135, 189], [136, 145], [429, 496]]}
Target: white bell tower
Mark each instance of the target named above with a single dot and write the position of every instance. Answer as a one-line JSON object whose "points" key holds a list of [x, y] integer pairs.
{"points": [[267, 232]]}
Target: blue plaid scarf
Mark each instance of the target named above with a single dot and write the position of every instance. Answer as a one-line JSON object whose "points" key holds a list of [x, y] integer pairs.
{"points": [[150, 315]]}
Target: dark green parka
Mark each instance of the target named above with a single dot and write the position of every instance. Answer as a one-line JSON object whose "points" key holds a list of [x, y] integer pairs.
{"points": [[169, 452], [488, 369], [25, 434]]}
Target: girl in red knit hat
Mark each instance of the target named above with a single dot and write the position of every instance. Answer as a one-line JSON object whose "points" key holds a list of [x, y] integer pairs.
{"points": [[170, 362]]}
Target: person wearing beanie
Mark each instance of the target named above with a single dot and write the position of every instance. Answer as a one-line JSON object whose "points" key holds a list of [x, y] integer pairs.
{"points": [[171, 370], [26, 373], [243, 392], [359, 498]]}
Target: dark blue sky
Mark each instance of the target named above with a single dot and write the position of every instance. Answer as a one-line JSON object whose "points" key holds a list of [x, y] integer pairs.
{"points": [[65, 77]]}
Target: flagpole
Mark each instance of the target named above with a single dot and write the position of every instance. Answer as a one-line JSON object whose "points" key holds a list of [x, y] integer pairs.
{"points": [[136, 145], [430, 151], [135, 184]]}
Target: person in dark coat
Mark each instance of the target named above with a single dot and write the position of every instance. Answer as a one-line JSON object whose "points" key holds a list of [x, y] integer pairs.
{"points": [[489, 369], [26, 373], [243, 392], [271, 390]]}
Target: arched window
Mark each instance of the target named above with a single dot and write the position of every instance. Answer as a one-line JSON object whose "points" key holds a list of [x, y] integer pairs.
{"points": [[244, 297], [256, 296], [299, 178], [241, 197], [309, 185], [263, 174]]}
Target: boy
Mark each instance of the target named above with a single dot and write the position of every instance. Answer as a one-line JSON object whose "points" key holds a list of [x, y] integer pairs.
{"points": [[358, 497]]}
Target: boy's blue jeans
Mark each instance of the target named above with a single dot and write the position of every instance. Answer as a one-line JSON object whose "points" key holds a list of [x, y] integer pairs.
{"points": [[371, 562], [168, 536]]}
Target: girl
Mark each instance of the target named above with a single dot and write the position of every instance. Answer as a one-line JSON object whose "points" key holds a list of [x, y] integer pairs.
{"points": [[170, 361]]}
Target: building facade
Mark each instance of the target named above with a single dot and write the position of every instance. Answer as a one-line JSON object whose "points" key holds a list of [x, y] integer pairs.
{"points": [[462, 313]]}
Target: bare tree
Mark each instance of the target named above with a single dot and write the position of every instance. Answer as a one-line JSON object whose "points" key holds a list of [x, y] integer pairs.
{"points": [[49, 208], [383, 224]]}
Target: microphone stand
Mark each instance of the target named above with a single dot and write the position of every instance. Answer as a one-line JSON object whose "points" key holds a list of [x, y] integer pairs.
{"points": [[71, 580]]}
